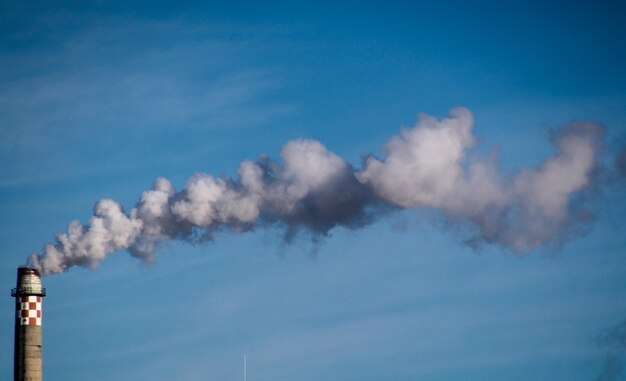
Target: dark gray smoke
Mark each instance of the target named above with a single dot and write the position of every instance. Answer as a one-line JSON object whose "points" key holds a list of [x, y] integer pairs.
{"points": [[614, 342], [312, 188], [620, 162]]}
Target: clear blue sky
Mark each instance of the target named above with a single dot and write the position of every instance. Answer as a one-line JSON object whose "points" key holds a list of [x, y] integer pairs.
{"points": [[98, 99]]}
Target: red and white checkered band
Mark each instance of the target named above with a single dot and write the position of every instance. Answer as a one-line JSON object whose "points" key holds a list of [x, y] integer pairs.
{"points": [[29, 310]]}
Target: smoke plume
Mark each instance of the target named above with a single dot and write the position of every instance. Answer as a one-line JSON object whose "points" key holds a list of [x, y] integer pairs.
{"points": [[431, 165]]}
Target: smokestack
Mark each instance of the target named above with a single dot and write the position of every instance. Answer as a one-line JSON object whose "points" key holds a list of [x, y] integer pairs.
{"points": [[28, 299]]}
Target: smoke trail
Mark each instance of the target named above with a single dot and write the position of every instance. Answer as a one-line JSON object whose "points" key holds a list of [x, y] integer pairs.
{"points": [[312, 188]]}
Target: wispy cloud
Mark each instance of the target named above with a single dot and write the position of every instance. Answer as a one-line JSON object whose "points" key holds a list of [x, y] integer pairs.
{"points": [[122, 82]]}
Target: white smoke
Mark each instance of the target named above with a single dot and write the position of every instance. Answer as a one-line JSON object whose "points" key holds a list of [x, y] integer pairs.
{"points": [[427, 166], [312, 188], [423, 164], [109, 230]]}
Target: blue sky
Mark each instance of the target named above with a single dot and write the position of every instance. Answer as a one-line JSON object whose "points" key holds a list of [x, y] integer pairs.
{"points": [[97, 100]]}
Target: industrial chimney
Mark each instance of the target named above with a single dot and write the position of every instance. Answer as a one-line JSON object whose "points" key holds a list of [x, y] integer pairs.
{"points": [[28, 297]]}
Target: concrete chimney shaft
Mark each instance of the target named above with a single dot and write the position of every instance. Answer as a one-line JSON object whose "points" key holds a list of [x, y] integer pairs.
{"points": [[28, 299]]}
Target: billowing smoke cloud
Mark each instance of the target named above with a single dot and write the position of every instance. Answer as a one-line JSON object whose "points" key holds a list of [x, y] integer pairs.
{"points": [[426, 166], [431, 165]]}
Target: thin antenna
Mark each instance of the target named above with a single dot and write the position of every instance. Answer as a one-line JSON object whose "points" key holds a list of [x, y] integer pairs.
{"points": [[245, 368]]}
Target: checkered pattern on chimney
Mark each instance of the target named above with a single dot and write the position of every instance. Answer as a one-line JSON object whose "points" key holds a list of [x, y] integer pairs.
{"points": [[29, 310]]}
